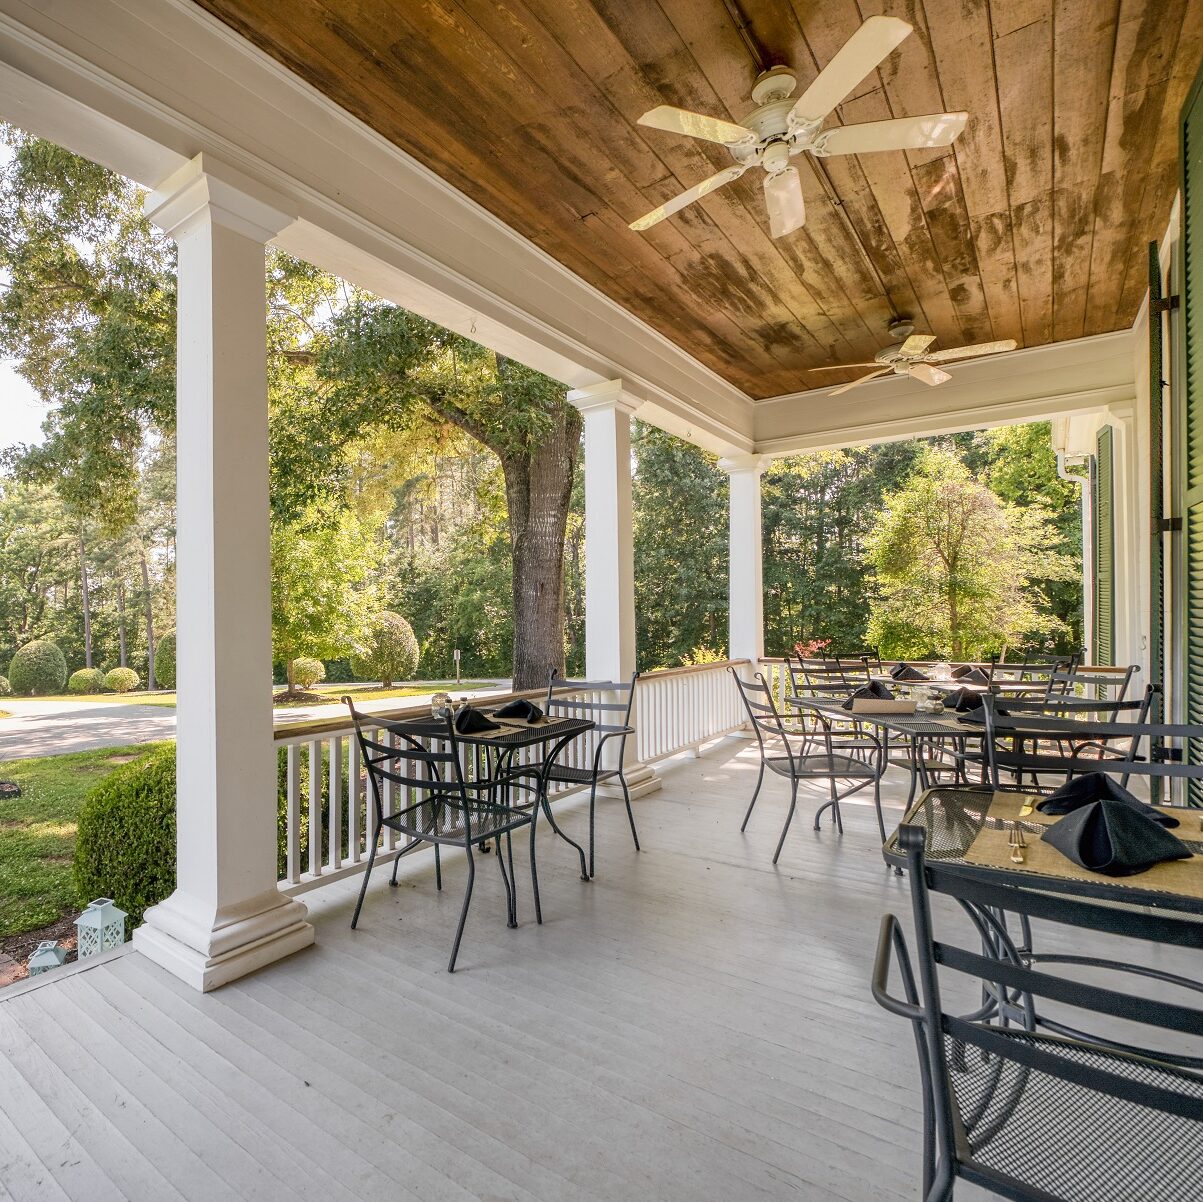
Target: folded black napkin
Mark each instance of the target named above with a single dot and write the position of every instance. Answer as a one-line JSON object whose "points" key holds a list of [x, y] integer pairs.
{"points": [[470, 721], [964, 701], [906, 672], [873, 691], [1113, 838], [520, 708], [1097, 786], [968, 675]]}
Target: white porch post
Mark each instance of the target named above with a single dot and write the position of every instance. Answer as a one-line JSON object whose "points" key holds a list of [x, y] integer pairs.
{"points": [[745, 619], [609, 550], [226, 916]]}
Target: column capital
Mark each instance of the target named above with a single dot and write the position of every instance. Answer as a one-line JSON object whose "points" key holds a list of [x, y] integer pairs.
{"points": [[609, 394], [744, 462], [205, 187]]}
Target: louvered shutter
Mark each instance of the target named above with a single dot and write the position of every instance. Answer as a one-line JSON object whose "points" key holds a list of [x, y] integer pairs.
{"points": [[1104, 550]]}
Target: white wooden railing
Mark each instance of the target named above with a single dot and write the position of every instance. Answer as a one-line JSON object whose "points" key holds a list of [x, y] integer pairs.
{"points": [[326, 815]]}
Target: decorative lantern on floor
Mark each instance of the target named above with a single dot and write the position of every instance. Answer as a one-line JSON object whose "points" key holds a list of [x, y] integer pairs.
{"points": [[100, 927], [46, 955]]}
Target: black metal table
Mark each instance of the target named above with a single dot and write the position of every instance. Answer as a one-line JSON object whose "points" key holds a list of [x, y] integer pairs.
{"points": [[517, 735]]}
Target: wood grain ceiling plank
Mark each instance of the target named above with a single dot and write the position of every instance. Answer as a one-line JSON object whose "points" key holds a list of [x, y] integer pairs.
{"points": [[1025, 92], [1146, 39], [1083, 48]]}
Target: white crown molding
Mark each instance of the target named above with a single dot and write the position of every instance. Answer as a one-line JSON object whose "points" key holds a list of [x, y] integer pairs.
{"points": [[609, 394], [144, 85], [731, 464]]}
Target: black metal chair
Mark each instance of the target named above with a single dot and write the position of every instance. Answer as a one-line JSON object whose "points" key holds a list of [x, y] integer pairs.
{"points": [[1040, 1117], [433, 802], [1111, 685], [591, 704], [797, 764]]}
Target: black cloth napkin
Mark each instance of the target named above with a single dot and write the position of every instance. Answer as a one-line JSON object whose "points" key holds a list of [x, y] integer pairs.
{"points": [[1114, 839], [906, 672], [968, 675], [964, 701], [470, 721], [521, 708], [1097, 786], [873, 691]]}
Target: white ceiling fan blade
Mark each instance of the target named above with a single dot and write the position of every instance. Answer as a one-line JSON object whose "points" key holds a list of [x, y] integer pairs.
{"points": [[904, 133], [884, 371], [972, 352], [874, 41], [669, 207], [696, 125], [845, 366], [783, 196], [916, 344], [927, 374]]}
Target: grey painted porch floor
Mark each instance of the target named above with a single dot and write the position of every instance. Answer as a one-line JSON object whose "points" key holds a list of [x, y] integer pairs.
{"points": [[691, 1025]]}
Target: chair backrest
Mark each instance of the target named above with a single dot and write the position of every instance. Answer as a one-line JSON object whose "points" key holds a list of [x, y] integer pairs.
{"points": [[980, 1066], [1106, 686], [762, 710], [607, 703], [395, 758], [821, 677]]}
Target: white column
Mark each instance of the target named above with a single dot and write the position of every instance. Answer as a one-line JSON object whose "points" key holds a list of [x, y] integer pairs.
{"points": [[226, 916], [609, 549], [745, 620]]}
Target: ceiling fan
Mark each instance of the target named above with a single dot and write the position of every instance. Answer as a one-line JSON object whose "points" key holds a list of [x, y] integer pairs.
{"points": [[913, 359], [781, 127]]}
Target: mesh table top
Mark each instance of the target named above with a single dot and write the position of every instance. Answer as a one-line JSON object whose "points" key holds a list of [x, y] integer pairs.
{"points": [[514, 732], [925, 725]]}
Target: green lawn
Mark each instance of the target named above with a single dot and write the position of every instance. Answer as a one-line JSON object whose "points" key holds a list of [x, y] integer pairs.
{"points": [[37, 833], [158, 697], [332, 693]]}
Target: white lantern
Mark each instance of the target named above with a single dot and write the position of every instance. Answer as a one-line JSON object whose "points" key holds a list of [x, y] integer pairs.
{"points": [[46, 955], [100, 927]]}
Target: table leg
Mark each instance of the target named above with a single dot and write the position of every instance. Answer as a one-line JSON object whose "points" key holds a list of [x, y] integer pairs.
{"points": [[543, 802]]}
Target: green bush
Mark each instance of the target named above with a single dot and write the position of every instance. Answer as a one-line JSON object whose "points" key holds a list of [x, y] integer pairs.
{"points": [[86, 680], [125, 841], [165, 661], [306, 671], [122, 680], [38, 667], [5, 688], [389, 652]]}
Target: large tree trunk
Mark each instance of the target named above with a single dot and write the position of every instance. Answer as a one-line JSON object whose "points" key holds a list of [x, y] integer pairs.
{"points": [[150, 621], [121, 652], [538, 491], [86, 595]]}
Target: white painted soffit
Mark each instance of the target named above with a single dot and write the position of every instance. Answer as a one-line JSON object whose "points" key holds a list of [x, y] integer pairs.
{"points": [[143, 85], [1081, 376]]}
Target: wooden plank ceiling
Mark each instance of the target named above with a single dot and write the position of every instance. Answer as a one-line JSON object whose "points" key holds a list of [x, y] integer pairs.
{"points": [[1033, 226]]}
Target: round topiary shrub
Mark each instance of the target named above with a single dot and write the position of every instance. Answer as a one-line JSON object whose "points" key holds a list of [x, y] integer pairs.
{"points": [[389, 651], [307, 671], [5, 688], [165, 661], [125, 841], [122, 680], [86, 680], [38, 667]]}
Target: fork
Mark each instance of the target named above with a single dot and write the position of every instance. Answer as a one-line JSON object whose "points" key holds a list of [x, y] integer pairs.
{"points": [[1018, 843]]}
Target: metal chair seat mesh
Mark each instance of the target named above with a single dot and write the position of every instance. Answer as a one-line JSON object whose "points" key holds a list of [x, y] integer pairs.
{"points": [[445, 823], [566, 774], [1074, 1143], [821, 765]]}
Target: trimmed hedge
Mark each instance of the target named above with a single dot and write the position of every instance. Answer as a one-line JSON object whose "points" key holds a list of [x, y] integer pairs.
{"points": [[389, 651], [6, 689], [165, 661], [86, 680], [38, 667], [125, 841], [306, 671], [122, 680]]}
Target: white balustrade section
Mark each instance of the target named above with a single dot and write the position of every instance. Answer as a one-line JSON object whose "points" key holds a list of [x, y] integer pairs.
{"points": [[326, 810]]}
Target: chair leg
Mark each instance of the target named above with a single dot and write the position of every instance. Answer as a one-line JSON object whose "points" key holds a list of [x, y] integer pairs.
{"points": [[534, 869], [592, 816], [463, 915], [793, 804], [367, 872], [755, 794], [626, 796], [510, 920], [509, 855]]}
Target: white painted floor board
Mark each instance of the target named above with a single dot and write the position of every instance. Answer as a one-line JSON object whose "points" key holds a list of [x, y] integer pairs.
{"points": [[694, 1024]]}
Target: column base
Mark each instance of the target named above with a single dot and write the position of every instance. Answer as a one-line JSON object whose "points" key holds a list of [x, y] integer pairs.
{"points": [[641, 779], [206, 950]]}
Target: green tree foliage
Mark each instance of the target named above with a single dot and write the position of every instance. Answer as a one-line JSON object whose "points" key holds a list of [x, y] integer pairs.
{"points": [[85, 681], [165, 661], [955, 566], [306, 671], [121, 680], [38, 667], [388, 650], [6, 687], [323, 584], [680, 502]]}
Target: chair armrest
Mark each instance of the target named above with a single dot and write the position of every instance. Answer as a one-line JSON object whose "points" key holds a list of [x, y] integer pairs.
{"points": [[890, 939], [609, 732]]}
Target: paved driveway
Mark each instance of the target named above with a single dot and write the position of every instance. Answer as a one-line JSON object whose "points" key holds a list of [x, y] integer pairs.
{"points": [[55, 727]]}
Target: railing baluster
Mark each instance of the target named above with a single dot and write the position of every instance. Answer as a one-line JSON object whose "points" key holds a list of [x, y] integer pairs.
{"points": [[315, 808], [335, 793], [354, 800], [292, 824]]}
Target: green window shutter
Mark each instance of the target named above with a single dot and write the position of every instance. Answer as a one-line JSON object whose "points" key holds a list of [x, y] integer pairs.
{"points": [[1156, 474], [1189, 395], [1104, 549]]}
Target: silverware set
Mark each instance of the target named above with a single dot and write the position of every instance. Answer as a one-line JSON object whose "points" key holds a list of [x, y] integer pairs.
{"points": [[1018, 843]]}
